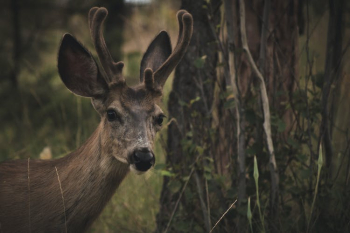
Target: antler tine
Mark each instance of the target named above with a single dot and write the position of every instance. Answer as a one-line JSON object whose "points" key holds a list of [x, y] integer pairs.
{"points": [[185, 34], [179, 15], [91, 16], [113, 70], [149, 79]]}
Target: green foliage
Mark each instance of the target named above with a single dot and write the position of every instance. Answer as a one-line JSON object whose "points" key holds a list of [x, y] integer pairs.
{"points": [[199, 62]]}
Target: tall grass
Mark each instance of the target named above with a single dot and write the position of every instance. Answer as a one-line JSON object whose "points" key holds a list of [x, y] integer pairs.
{"points": [[319, 167], [249, 216], [256, 178]]}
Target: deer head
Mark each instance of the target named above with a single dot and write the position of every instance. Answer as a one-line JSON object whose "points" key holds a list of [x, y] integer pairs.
{"points": [[130, 116]]}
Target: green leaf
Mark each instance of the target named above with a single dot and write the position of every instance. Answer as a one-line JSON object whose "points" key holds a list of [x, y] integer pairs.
{"points": [[200, 150], [194, 114], [256, 170], [183, 103], [195, 100], [166, 173], [249, 212], [174, 186], [199, 62], [159, 166], [208, 176], [209, 159], [207, 169], [320, 158]]}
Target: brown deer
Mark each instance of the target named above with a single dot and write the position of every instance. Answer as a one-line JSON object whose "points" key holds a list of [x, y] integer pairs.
{"points": [[68, 194]]}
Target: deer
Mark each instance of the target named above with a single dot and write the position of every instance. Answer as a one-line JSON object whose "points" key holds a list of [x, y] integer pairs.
{"points": [[67, 194]]}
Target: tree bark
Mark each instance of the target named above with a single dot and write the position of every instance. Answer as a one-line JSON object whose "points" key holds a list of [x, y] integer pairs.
{"points": [[331, 73], [272, 41], [189, 103]]}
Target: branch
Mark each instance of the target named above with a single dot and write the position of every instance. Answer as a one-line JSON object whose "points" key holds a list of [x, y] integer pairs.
{"points": [[265, 103], [223, 215], [241, 156]]}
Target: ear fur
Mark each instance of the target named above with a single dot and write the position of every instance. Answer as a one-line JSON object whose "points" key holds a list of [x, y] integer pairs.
{"points": [[78, 69], [157, 52]]}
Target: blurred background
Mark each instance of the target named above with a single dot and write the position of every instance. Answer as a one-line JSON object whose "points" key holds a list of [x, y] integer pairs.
{"points": [[205, 151]]}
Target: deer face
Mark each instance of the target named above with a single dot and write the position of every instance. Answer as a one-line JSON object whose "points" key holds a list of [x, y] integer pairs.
{"points": [[130, 116]]}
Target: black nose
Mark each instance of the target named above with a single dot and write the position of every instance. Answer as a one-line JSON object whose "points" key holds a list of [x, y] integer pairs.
{"points": [[143, 159]]}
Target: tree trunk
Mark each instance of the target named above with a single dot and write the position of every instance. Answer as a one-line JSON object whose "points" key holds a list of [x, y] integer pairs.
{"points": [[331, 73], [190, 103], [274, 48], [335, 103]]}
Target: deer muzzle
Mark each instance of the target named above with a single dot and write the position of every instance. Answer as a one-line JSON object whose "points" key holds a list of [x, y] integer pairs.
{"points": [[143, 159]]}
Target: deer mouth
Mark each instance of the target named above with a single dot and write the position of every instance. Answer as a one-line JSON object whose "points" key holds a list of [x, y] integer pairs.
{"points": [[142, 160]]}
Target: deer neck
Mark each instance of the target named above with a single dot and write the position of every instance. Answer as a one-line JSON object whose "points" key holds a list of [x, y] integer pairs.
{"points": [[95, 174]]}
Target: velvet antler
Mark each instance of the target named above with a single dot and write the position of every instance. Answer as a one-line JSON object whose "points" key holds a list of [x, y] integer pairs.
{"points": [[113, 69], [185, 33]]}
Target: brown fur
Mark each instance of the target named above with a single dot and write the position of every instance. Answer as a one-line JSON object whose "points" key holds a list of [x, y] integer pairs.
{"points": [[35, 203]]}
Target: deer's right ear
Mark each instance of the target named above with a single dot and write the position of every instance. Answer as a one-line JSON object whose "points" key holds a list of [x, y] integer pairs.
{"points": [[78, 69]]}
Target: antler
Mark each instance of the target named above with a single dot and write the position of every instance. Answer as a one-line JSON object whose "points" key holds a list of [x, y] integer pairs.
{"points": [[113, 69], [185, 33], [149, 79]]}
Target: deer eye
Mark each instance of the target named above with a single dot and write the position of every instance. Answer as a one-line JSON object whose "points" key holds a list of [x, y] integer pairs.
{"points": [[112, 115], [159, 119]]}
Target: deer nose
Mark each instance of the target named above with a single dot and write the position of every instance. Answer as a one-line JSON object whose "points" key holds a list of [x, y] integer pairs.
{"points": [[143, 159]]}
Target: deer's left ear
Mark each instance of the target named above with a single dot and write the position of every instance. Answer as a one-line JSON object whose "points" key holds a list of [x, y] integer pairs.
{"points": [[157, 52], [78, 69]]}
